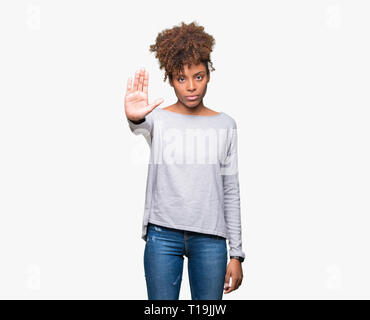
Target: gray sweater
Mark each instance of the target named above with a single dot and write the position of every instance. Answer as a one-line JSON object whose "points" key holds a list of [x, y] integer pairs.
{"points": [[192, 181]]}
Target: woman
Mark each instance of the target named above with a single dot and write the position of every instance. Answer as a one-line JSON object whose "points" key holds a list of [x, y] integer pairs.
{"points": [[192, 205]]}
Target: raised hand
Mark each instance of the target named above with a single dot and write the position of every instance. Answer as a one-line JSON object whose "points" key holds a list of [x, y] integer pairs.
{"points": [[136, 98]]}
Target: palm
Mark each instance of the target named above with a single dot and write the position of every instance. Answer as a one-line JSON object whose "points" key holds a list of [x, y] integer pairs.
{"points": [[136, 98], [135, 104]]}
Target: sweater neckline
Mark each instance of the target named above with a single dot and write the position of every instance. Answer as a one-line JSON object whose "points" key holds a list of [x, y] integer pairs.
{"points": [[191, 115]]}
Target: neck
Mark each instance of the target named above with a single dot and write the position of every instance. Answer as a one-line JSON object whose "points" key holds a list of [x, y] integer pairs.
{"points": [[182, 108]]}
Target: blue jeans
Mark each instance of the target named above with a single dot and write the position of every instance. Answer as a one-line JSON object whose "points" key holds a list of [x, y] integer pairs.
{"points": [[164, 257]]}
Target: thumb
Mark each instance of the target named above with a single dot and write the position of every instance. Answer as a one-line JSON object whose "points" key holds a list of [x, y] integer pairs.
{"points": [[155, 104], [227, 280]]}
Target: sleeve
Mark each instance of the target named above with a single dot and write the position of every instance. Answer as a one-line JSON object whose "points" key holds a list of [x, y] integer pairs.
{"points": [[232, 215], [145, 128]]}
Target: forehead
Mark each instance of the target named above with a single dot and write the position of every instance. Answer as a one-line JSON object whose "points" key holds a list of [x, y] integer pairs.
{"points": [[193, 69]]}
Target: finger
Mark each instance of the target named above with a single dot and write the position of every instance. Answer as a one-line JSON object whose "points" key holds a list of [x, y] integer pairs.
{"points": [[146, 82], [241, 280], [141, 80], [129, 86], [136, 81], [228, 289], [227, 281], [233, 284], [237, 284]]}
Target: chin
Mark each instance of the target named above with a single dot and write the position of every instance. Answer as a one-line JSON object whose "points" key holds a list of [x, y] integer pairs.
{"points": [[191, 105]]}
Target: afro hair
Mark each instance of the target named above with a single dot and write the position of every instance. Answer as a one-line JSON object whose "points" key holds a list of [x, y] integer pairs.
{"points": [[181, 45]]}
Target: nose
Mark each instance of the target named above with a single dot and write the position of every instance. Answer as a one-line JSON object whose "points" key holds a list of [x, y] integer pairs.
{"points": [[191, 86]]}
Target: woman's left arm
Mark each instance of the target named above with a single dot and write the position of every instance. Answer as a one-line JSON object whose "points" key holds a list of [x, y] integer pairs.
{"points": [[232, 212]]}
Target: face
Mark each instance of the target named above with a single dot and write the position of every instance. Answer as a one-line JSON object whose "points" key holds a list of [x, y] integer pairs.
{"points": [[192, 82]]}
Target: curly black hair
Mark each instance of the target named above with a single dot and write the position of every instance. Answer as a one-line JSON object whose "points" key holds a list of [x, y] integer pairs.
{"points": [[181, 45]]}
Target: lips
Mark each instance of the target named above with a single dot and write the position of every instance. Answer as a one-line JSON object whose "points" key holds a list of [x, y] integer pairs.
{"points": [[192, 97]]}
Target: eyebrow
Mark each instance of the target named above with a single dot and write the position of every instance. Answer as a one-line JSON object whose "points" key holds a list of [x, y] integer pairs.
{"points": [[181, 74]]}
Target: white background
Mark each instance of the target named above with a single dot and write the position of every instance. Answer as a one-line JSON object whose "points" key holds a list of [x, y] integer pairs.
{"points": [[293, 74]]}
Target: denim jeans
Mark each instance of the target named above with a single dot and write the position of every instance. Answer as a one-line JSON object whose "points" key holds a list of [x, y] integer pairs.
{"points": [[164, 257]]}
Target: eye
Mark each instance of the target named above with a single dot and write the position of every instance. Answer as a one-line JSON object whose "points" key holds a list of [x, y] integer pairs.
{"points": [[178, 79]]}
